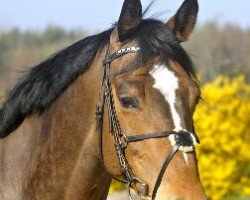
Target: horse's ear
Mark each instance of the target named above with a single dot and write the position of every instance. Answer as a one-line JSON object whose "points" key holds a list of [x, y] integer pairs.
{"points": [[183, 22], [130, 18]]}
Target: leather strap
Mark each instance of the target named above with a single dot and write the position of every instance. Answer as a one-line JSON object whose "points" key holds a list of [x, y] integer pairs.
{"points": [[137, 138], [109, 58], [163, 169]]}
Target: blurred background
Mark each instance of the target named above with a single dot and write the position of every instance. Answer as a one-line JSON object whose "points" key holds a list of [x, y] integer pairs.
{"points": [[32, 30]]}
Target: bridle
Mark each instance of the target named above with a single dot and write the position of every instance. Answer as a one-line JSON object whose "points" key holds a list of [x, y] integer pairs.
{"points": [[180, 140]]}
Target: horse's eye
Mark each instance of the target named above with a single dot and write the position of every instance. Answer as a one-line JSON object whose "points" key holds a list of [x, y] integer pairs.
{"points": [[129, 102]]}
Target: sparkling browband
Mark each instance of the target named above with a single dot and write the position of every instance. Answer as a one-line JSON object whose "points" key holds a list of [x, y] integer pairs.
{"points": [[120, 53]]}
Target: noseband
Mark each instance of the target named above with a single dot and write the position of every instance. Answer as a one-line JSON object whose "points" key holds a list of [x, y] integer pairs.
{"points": [[180, 140]]}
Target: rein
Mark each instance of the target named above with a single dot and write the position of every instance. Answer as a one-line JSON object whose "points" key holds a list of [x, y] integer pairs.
{"points": [[180, 140]]}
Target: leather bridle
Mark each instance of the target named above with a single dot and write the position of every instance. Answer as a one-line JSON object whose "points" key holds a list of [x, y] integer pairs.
{"points": [[180, 140]]}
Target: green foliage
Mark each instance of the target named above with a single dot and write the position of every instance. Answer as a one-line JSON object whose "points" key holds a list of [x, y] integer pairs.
{"points": [[116, 186], [20, 50], [1, 98], [220, 50]]}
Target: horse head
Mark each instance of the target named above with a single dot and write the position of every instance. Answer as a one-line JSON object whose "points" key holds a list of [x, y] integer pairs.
{"points": [[148, 97]]}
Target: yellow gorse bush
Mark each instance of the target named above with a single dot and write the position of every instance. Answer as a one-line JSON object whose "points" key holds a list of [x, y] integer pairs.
{"points": [[222, 121]]}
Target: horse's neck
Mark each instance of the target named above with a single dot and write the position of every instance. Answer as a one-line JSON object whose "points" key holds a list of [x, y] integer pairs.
{"points": [[54, 155]]}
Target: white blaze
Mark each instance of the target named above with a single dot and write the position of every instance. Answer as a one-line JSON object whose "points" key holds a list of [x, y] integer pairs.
{"points": [[167, 83]]}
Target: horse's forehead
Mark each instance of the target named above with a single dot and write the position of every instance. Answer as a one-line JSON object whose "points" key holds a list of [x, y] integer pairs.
{"points": [[165, 79]]}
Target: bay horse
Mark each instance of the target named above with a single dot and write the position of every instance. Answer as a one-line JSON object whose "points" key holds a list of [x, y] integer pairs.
{"points": [[116, 104]]}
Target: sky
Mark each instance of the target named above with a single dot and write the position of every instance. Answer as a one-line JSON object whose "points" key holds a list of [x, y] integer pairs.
{"points": [[95, 15]]}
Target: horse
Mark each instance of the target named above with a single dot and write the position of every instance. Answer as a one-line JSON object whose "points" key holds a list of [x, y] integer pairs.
{"points": [[117, 104]]}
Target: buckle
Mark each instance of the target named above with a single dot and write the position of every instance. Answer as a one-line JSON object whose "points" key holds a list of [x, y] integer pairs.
{"points": [[99, 118], [143, 187]]}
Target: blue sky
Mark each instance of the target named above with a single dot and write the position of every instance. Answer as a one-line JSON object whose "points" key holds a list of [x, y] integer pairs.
{"points": [[100, 14]]}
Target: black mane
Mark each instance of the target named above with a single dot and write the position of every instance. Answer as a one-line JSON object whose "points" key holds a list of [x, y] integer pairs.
{"points": [[44, 83]]}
